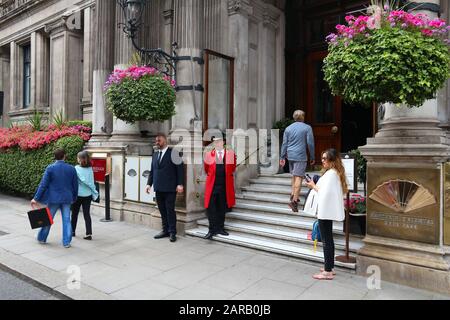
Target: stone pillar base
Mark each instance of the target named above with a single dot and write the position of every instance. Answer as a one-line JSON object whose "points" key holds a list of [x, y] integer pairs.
{"points": [[407, 274], [407, 263]]}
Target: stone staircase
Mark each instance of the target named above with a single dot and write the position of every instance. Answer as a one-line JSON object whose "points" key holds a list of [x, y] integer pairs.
{"points": [[262, 220]]}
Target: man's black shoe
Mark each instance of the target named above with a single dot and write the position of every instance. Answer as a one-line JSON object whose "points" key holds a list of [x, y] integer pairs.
{"points": [[223, 233], [161, 235], [209, 236], [173, 237]]}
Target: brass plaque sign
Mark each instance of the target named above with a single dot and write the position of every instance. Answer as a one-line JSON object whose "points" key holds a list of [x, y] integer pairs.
{"points": [[403, 203], [447, 204]]}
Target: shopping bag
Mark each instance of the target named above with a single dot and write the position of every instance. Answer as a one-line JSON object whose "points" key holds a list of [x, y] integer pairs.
{"points": [[40, 218]]}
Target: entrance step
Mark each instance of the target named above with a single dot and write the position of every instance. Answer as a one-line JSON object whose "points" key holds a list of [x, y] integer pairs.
{"points": [[299, 236], [301, 251], [256, 198], [263, 220], [271, 190], [293, 222]]}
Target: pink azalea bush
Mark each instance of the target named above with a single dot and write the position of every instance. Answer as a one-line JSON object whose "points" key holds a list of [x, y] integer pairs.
{"points": [[26, 139]]}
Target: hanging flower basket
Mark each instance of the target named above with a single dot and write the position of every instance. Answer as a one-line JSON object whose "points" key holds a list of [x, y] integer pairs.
{"points": [[140, 94], [388, 56]]}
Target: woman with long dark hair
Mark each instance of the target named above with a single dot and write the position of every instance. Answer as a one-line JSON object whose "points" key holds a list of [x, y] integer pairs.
{"points": [[86, 193], [330, 189]]}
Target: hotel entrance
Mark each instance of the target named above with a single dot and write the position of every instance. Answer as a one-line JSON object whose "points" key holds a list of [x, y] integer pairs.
{"points": [[335, 123]]}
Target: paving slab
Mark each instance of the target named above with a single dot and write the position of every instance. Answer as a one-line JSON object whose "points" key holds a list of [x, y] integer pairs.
{"points": [[123, 261]]}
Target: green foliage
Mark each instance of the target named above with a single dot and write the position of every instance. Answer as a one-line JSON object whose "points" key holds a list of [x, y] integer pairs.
{"points": [[12, 124], [21, 171], [35, 121], [392, 65], [150, 98], [59, 119], [74, 123], [72, 145], [361, 164], [282, 125]]}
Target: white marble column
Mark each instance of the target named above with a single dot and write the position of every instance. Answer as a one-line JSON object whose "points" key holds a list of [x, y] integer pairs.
{"points": [[40, 70], [105, 28]]}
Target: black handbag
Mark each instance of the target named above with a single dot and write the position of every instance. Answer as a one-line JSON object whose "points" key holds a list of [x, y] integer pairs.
{"points": [[97, 187], [40, 218]]}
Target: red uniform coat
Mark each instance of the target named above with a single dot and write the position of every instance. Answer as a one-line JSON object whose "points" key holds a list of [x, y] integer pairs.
{"points": [[209, 163]]}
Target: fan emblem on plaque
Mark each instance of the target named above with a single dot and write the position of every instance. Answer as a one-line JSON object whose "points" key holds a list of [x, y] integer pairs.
{"points": [[402, 195]]}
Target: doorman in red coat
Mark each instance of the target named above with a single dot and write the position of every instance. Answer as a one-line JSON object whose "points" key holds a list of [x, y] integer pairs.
{"points": [[220, 165]]}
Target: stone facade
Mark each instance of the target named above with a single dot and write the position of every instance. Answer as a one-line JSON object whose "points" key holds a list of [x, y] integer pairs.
{"points": [[76, 44]]}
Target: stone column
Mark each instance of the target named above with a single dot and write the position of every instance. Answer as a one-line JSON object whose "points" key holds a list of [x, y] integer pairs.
{"points": [[186, 125], [88, 41], [238, 41], [103, 65], [65, 69], [267, 103], [40, 70], [407, 246], [15, 76], [123, 132], [166, 44], [188, 33], [4, 86]]}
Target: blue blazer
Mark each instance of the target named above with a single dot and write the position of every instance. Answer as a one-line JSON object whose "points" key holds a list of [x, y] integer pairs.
{"points": [[59, 184], [166, 176]]}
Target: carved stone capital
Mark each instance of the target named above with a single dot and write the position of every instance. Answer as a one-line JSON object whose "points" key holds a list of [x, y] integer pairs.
{"points": [[69, 22], [270, 19], [239, 7], [56, 26]]}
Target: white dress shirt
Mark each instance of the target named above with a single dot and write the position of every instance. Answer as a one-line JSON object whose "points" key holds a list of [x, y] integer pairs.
{"points": [[220, 154], [163, 151]]}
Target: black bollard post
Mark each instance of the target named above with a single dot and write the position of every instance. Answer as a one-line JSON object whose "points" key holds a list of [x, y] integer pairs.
{"points": [[107, 201]]}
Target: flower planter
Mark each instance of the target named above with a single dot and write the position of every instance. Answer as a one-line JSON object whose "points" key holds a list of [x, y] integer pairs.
{"points": [[389, 56], [357, 223]]}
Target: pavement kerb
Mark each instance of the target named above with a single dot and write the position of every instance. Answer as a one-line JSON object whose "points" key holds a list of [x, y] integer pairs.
{"points": [[47, 279]]}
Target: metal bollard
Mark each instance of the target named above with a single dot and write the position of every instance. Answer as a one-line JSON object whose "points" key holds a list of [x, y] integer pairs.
{"points": [[107, 201]]}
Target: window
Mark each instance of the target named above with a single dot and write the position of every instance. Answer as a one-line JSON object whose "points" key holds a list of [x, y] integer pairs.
{"points": [[26, 76]]}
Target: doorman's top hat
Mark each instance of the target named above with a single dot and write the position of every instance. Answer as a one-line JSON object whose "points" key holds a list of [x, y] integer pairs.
{"points": [[218, 137]]}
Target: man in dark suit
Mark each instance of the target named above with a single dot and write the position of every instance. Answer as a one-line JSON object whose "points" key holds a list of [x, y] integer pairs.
{"points": [[167, 178]]}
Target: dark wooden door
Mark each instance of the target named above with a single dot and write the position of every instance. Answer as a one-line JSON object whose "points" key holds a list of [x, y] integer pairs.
{"points": [[323, 111]]}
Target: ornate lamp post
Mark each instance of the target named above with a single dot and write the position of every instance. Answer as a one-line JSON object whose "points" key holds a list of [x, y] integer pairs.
{"points": [[133, 12]]}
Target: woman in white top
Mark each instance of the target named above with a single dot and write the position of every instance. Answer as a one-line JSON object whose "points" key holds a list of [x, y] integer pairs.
{"points": [[330, 189]]}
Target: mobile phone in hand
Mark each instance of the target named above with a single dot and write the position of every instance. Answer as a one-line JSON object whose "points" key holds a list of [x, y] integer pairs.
{"points": [[308, 178]]}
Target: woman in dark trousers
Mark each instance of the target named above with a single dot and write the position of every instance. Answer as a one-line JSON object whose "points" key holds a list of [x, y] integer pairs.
{"points": [[330, 189], [86, 193]]}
